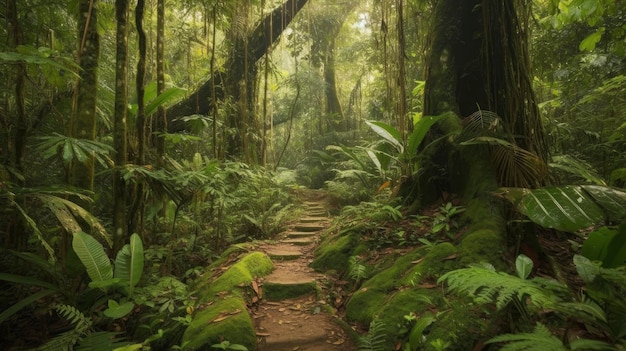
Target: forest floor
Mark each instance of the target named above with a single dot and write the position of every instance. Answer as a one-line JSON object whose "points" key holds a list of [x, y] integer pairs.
{"points": [[293, 314]]}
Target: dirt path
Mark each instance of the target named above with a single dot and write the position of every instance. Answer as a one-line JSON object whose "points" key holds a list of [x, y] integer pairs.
{"points": [[292, 316]]}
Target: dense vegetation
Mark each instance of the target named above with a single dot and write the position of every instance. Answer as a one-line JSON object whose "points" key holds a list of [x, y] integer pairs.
{"points": [[142, 139]]}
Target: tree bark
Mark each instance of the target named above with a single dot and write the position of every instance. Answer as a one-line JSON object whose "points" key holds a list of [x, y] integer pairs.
{"points": [[18, 142], [479, 61], [84, 117], [237, 74], [160, 125], [120, 126]]}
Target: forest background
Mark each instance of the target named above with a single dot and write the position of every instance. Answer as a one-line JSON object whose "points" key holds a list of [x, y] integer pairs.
{"points": [[178, 128]]}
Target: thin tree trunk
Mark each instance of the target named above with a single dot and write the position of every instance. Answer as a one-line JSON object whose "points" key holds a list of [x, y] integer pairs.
{"points": [[19, 138], [137, 204], [402, 105], [83, 121], [120, 126], [161, 119]]}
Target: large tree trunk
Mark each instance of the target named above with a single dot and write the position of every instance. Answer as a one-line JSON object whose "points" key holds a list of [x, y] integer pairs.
{"points": [[479, 61], [239, 73]]}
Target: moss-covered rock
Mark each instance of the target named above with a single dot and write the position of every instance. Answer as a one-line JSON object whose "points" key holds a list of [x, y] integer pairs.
{"points": [[483, 245], [334, 252], [225, 319], [364, 305], [256, 264]]}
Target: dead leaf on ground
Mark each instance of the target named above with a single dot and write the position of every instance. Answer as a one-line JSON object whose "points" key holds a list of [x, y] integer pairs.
{"points": [[418, 260], [224, 315], [427, 286], [451, 257]]}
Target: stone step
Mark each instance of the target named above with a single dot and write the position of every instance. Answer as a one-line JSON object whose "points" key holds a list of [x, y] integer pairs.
{"points": [[298, 241], [285, 284], [284, 254], [295, 234], [310, 219], [309, 227]]}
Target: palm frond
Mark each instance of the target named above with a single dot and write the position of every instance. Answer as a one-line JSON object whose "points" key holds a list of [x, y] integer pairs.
{"points": [[68, 339]]}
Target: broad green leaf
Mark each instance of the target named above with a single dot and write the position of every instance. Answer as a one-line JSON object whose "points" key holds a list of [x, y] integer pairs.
{"points": [[611, 200], [589, 43], [523, 266], [376, 161], [116, 310], [565, 208], [596, 246], [586, 269], [129, 263], [387, 132], [421, 127], [92, 255]]}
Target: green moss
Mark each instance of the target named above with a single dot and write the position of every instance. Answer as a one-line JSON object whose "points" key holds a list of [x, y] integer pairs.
{"points": [[400, 305], [364, 305], [256, 264], [438, 260], [334, 252], [237, 328], [276, 292], [393, 277], [482, 246]]}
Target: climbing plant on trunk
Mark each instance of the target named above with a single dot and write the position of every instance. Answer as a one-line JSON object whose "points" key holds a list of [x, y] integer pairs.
{"points": [[478, 62]]}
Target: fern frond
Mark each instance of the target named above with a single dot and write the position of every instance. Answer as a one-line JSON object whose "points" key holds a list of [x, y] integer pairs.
{"points": [[485, 285], [540, 339], [102, 341], [68, 339], [375, 340]]}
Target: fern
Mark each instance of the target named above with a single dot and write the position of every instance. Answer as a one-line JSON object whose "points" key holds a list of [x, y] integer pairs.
{"points": [[375, 340], [541, 339], [358, 272], [67, 340], [486, 285]]}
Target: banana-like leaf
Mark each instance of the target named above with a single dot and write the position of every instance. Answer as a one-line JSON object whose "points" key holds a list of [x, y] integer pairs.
{"points": [[389, 133], [569, 208], [420, 128], [92, 255], [129, 263]]}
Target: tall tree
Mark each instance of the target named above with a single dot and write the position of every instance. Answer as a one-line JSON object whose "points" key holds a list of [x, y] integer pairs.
{"points": [[479, 62], [161, 120], [239, 74], [16, 38], [84, 117], [120, 126]]}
